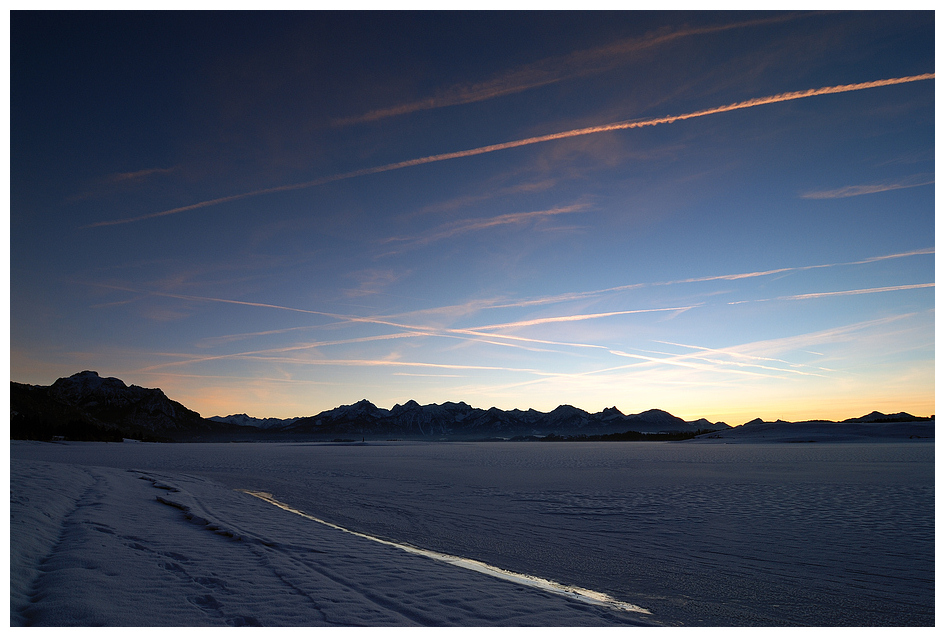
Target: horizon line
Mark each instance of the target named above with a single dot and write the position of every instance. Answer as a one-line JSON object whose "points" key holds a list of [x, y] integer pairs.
{"points": [[463, 402]]}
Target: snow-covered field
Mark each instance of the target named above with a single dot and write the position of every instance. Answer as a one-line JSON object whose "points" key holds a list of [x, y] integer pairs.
{"points": [[695, 534]]}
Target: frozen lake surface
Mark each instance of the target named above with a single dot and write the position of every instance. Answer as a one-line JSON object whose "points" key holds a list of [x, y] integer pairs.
{"points": [[698, 534]]}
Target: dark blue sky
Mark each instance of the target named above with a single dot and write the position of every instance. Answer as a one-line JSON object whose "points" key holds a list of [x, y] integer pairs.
{"points": [[224, 205]]}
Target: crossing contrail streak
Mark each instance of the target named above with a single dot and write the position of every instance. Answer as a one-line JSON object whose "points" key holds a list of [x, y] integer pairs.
{"points": [[640, 123], [818, 295], [554, 69]]}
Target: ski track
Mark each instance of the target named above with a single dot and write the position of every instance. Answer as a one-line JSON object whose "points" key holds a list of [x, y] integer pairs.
{"points": [[148, 548]]}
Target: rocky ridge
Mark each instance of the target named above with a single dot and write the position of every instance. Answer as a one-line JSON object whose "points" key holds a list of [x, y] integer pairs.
{"points": [[86, 406], [461, 421]]}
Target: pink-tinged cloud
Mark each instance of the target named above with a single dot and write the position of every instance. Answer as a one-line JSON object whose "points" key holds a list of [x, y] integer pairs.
{"points": [[139, 174], [355, 362], [120, 180], [683, 361], [869, 189], [817, 295], [189, 297], [574, 296], [748, 275], [551, 70], [803, 342], [464, 226], [373, 281], [483, 333], [414, 330], [893, 288], [898, 255], [731, 352], [492, 193], [641, 123], [576, 317]]}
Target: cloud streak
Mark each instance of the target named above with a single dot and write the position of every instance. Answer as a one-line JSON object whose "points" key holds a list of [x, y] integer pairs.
{"points": [[685, 361], [818, 295], [577, 317], [138, 175], [356, 362], [464, 226], [831, 336], [575, 296], [869, 189], [893, 288], [551, 70], [708, 351], [487, 334], [624, 125]]}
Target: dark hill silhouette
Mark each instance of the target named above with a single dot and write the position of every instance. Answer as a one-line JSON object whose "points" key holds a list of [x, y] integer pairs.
{"points": [[461, 422], [86, 406]]}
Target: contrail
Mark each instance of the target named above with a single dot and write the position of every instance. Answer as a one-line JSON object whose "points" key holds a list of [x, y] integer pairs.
{"points": [[818, 295], [575, 317], [641, 123], [464, 226], [575, 296], [893, 288], [869, 189], [552, 70]]}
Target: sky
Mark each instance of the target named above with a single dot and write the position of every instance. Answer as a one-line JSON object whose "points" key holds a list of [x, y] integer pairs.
{"points": [[726, 215]]}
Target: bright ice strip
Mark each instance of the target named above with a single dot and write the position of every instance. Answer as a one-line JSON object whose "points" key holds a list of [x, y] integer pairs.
{"points": [[574, 592]]}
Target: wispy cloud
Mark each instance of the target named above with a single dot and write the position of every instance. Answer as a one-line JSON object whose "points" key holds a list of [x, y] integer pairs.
{"points": [[476, 334], [805, 342], [552, 70], [801, 268], [924, 179], [576, 317], [190, 359], [711, 372], [575, 296], [228, 338], [373, 281], [427, 375], [491, 193], [817, 295], [733, 353], [139, 175], [474, 306], [120, 180], [296, 381], [893, 288], [686, 361], [488, 334], [523, 339], [190, 297], [625, 125], [355, 362], [898, 255], [464, 226], [706, 359]]}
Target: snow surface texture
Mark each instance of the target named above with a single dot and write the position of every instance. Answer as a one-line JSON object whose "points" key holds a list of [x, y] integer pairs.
{"points": [[698, 534], [112, 553]]}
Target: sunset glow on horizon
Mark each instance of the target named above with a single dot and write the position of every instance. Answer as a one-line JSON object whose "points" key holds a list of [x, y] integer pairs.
{"points": [[725, 215]]}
